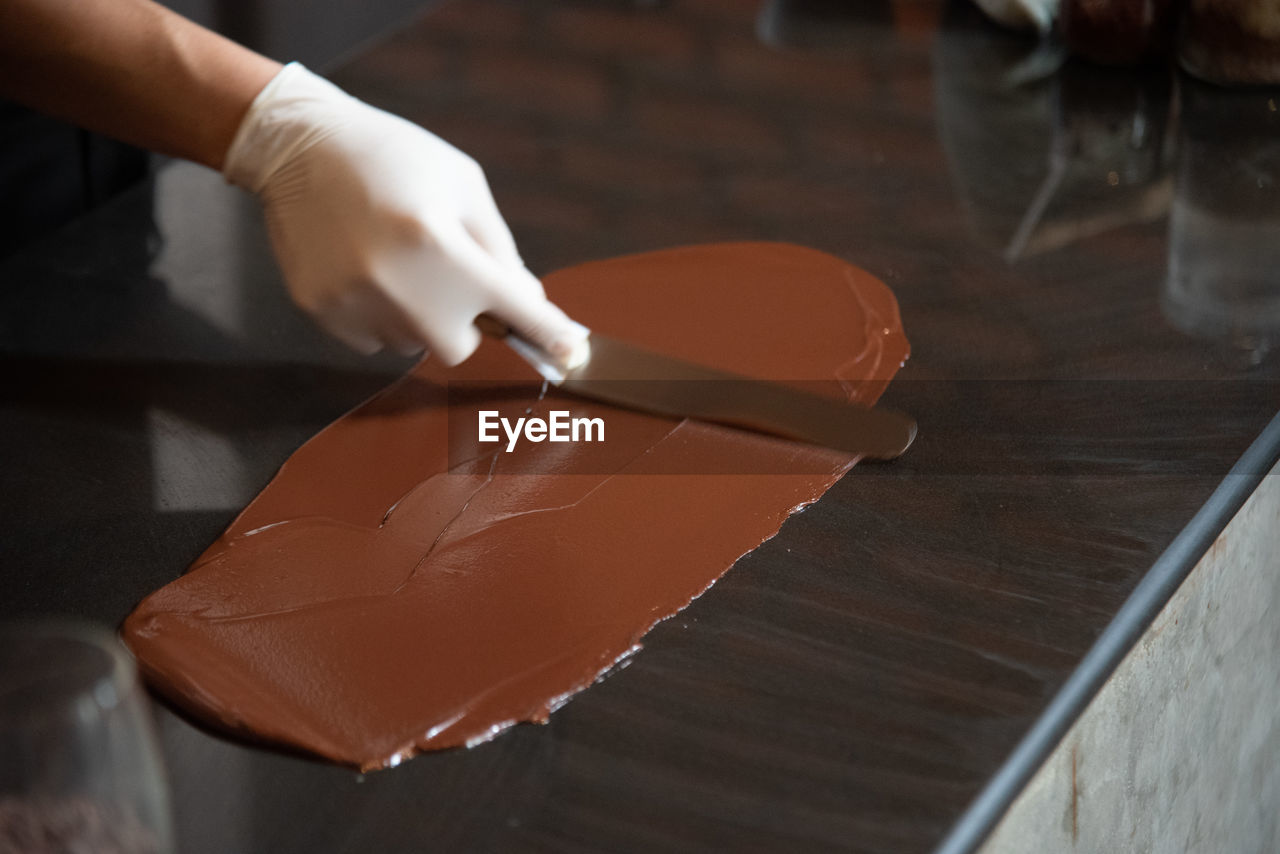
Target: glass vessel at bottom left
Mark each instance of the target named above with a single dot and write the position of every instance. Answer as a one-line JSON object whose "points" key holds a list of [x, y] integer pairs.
{"points": [[80, 767]]}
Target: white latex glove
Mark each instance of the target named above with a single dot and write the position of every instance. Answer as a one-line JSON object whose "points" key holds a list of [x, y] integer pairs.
{"points": [[385, 233], [1021, 14]]}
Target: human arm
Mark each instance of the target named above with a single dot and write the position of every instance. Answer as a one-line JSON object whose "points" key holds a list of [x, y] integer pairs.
{"points": [[386, 234], [131, 70]]}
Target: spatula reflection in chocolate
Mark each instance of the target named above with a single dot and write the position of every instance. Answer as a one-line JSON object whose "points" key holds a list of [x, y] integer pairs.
{"points": [[626, 375]]}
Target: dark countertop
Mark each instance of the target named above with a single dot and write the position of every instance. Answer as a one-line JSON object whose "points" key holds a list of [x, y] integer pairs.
{"points": [[1081, 384]]}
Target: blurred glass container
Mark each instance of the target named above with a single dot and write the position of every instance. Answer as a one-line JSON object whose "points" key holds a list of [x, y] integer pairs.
{"points": [[1118, 32], [807, 24], [1224, 229], [1232, 41], [80, 770]]}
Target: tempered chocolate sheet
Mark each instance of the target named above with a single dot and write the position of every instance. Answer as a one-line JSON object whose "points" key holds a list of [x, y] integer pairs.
{"points": [[377, 600]]}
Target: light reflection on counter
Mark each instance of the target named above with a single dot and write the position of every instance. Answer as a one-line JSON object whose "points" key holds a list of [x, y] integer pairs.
{"points": [[1047, 152]]}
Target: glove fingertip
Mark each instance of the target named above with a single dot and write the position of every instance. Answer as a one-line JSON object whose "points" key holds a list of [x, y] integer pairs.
{"points": [[547, 327], [458, 347]]}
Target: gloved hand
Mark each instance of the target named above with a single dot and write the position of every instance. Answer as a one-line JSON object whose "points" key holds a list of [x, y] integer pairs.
{"points": [[385, 233]]}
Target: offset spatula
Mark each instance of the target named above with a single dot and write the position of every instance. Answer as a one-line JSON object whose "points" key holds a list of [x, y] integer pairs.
{"points": [[620, 373]]}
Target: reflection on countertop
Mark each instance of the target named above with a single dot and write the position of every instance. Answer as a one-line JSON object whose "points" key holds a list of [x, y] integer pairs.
{"points": [[1047, 150], [158, 375]]}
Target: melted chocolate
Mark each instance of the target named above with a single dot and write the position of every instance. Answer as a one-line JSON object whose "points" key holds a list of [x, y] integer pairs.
{"points": [[371, 602]]}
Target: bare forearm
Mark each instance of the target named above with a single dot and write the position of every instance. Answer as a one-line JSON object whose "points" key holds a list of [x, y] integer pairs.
{"points": [[132, 70]]}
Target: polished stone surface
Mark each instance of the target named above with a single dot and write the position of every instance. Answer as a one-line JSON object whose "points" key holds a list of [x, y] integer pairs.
{"points": [[1178, 751], [1082, 372]]}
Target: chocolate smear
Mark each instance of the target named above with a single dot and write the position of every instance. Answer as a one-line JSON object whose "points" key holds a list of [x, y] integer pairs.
{"points": [[386, 594]]}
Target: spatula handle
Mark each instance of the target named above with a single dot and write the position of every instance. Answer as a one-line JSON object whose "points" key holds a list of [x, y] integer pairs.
{"points": [[491, 326]]}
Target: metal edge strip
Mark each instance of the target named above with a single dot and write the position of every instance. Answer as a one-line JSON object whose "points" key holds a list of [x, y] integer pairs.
{"points": [[1121, 634]]}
